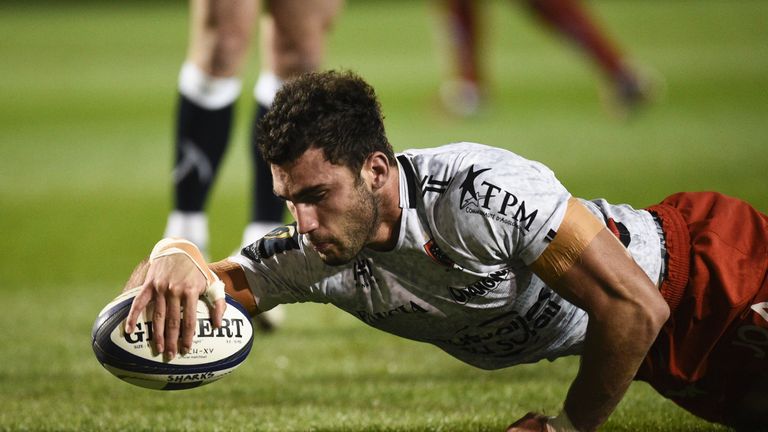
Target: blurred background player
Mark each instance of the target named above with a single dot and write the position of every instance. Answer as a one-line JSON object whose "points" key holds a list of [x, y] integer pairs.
{"points": [[463, 94], [293, 34]]}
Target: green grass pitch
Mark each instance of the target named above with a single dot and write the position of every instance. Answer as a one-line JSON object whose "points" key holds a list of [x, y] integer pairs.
{"points": [[86, 95]]}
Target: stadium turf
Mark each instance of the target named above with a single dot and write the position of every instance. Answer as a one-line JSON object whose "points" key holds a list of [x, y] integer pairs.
{"points": [[87, 91]]}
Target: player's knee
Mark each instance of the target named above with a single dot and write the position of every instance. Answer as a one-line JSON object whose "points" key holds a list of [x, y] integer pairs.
{"points": [[299, 47], [227, 53], [294, 57], [296, 65]]}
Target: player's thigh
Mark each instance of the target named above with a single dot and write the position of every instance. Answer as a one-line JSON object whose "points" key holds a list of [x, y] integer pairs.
{"points": [[299, 30], [220, 34]]}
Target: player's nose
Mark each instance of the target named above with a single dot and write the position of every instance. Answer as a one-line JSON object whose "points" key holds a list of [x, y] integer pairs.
{"points": [[306, 218]]}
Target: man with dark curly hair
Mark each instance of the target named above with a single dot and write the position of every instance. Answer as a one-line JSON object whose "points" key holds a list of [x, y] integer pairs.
{"points": [[486, 255]]}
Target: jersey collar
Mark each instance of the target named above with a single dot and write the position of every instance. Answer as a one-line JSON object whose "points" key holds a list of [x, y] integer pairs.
{"points": [[408, 184]]}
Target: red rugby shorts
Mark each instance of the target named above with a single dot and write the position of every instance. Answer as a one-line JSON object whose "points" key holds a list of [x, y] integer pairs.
{"points": [[711, 357]]}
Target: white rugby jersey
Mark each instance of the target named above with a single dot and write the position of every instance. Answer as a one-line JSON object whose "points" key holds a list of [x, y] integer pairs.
{"points": [[473, 218]]}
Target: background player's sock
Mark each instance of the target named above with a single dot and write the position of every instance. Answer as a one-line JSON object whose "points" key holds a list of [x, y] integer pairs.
{"points": [[192, 226], [463, 95], [267, 209], [203, 124], [632, 90]]}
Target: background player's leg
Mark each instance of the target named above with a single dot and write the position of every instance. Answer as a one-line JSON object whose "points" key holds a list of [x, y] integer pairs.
{"points": [[266, 209], [462, 94], [203, 125], [293, 42], [570, 19], [220, 32]]}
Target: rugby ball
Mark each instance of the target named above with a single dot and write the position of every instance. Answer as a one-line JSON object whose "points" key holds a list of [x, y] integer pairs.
{"points": [[214, 354]]}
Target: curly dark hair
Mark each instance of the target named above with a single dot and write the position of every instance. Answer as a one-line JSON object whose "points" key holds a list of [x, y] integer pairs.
{"points": [[335, 111]]}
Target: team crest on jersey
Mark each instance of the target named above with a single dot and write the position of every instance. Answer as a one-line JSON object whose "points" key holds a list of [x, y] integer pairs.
{"points": [[492, 202], [620, 231], [282, 232], [437, 254]]}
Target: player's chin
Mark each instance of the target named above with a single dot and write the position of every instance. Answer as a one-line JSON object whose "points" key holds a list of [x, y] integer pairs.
{"points": [[334, 261], [336, 258]]}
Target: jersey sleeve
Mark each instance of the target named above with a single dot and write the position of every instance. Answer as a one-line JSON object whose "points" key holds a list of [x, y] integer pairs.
{"points": [[499, 210], [279, 271]]}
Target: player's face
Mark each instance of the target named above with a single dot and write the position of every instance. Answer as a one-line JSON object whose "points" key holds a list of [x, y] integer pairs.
{"points": [[332, 205]]}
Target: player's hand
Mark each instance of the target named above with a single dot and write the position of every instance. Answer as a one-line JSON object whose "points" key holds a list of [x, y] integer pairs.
{"points": [[531, 422], [172, 281]]}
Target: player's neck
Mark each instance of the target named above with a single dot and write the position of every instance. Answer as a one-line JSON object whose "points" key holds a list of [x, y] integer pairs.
{"points": [[390, 213]]}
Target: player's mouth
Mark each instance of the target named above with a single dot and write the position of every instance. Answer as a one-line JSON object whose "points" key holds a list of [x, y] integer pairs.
{"points": [[321, 246]]}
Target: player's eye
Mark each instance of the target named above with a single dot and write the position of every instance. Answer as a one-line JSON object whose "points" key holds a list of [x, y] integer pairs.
{"points": [[315, 197]]}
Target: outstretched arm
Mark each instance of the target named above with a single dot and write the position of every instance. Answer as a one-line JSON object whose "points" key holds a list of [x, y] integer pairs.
{"points": [[177, 276], [626, 312]]}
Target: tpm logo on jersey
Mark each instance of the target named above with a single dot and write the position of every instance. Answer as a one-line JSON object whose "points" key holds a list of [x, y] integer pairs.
{"points": [[480, 288], [493, 202], [468, 192]]}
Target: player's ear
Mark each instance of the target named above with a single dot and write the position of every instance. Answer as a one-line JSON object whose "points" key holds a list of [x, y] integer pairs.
{"points": [[377, 164]]}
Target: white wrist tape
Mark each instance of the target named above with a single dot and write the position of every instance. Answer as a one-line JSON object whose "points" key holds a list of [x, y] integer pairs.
{"points": [[170, 246], [561, 423]]}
